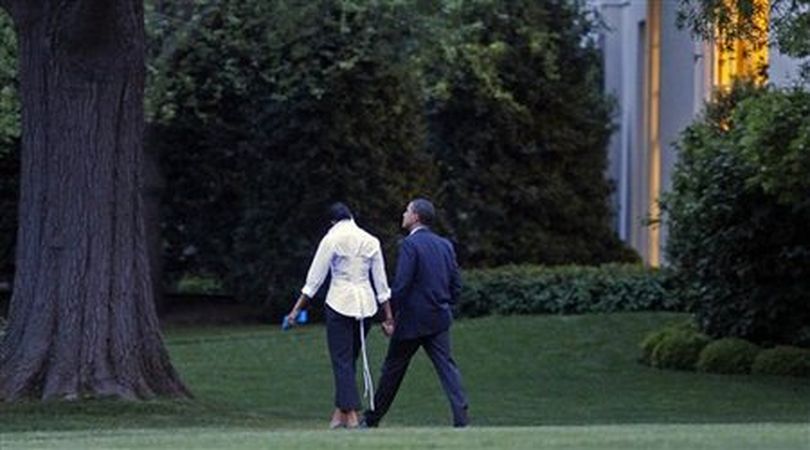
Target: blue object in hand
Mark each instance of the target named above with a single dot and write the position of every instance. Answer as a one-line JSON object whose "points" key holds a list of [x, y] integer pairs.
{"points": [[300, 319]]}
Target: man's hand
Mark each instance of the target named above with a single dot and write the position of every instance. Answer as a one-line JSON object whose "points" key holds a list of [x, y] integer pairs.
{"points": [[388, 327]]}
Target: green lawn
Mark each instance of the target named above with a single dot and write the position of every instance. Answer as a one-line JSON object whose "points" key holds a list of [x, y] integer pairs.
{"points": [[583, 437], [540, 381]]}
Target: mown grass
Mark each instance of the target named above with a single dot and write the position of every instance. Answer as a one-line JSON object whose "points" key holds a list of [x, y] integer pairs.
{"points": [[536, 380], [582, 437]]}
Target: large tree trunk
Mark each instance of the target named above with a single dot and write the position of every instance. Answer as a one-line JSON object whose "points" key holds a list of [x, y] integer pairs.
{"points": [[153, 187], [82, 320]]}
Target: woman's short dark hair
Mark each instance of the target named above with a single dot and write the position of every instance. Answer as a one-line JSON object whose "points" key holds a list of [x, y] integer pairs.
{"points": [[424, 209], [339, 211]]}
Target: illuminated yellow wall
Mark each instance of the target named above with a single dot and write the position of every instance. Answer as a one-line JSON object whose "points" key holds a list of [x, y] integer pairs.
{"points": [[742, 59]]}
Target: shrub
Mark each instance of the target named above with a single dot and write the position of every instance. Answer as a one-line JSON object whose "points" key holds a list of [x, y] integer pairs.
{"points": [[728, 355], [196, 284], [654, 338], [737, 216], [783, 360], [678, 349], [530, 289]]}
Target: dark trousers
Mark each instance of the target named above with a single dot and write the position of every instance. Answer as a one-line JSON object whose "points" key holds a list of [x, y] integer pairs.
{"points": [[400, 352], [343, 339]]}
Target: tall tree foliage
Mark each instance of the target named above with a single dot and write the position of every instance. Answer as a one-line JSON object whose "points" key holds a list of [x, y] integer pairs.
{"points": [[298, 104], [9, 102], [9, 142], [519, 127], [263, 121], [263, 112], [81, 319]]}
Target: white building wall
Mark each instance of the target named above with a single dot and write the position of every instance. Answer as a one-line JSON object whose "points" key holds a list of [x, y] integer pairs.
{"points": [[782, 70], [611, 44], [624, 46], [678, 101]]}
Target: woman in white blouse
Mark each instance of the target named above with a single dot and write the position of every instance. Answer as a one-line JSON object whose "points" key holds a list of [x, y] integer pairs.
{"points": [[350, 254]]}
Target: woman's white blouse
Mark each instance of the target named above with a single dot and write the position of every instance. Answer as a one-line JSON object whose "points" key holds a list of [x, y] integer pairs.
{"points": [[351, 254]]}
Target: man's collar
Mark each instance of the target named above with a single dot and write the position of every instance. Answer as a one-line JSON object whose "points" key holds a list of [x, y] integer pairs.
{"points": [[418, 228]]}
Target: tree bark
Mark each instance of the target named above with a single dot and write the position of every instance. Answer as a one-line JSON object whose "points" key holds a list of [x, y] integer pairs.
{"points": [[82, 320], [153, 187]]}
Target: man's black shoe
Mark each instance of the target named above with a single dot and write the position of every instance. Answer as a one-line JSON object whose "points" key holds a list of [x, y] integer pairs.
{"points": [[462, 420], [365, 424]]}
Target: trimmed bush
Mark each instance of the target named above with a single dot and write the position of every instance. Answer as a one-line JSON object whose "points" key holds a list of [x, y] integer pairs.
{"points": [[729, 355], [649, 344], [783, 360], [565, 290], [679, 350], [654, 338]]}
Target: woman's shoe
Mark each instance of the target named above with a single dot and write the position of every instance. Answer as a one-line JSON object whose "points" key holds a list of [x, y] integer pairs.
{"points": [[352, 420], [338, 420]]}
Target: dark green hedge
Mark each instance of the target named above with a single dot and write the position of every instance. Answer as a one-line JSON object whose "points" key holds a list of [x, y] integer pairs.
{"points": [[528, 289]]}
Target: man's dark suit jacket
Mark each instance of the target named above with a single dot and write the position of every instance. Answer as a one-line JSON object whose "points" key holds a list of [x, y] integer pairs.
{"points": [[426, 286]]}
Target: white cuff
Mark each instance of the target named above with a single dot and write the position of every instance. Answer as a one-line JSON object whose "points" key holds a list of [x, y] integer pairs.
{"points": [[308, 291]]}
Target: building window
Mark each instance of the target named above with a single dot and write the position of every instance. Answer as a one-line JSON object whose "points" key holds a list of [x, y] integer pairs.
{"points": [[653, 100], [741, 58]]}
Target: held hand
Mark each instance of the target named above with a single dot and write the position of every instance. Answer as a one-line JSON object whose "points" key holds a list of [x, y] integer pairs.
{"points": [[388, 327]]}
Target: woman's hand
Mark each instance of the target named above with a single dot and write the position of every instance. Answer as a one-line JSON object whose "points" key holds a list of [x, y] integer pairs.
{"points": [[300, 304], [291, 318]]}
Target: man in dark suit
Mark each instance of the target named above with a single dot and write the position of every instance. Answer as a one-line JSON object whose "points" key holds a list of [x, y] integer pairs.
{"points": [[427, 285]]}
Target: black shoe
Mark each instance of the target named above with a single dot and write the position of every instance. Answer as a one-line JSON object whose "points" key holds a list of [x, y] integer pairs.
{"points": [[462, 421], [366, 424]]}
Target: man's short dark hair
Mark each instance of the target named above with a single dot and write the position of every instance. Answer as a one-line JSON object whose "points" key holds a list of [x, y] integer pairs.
{"points": [[339, 211], [424, 209]]}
